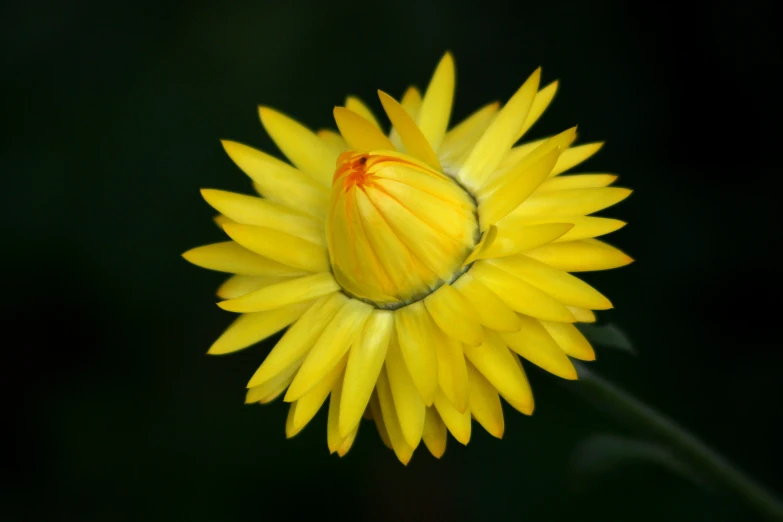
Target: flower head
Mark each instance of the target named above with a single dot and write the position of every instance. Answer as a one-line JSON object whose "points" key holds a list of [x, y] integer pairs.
{"points": [[414, 268]]}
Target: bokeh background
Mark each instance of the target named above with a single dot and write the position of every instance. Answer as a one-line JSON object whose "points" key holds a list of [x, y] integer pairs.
{"points": [[114, 111]]}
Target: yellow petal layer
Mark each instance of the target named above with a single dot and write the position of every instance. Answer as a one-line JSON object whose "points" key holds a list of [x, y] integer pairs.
{"points": [[570, 202], [235, 259], [454, 315], [452, 373], [249, 329], [520, 296], [417, 337], [491, 311], [534, 343], [415, 142], [239, 285], [575, 155], [334, 342], [250, 210], [435, 432], [501, 134], [280, 247], [564, 287], [513, 240], [360, 134], [575, 181], [436, 105], [485, 403], [392, 425], [580, 256], [498, 365], [365, 361], [352, 103], [407, 401], [271, 389], [459, 141], [540, 103], [279, 182], [283, 294], [570, 340], [304, 409], [300, 145], [457, 423], [298, 340]]}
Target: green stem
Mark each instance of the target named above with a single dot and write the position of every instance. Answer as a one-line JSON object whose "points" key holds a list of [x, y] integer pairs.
{"points": [[699, 456]]}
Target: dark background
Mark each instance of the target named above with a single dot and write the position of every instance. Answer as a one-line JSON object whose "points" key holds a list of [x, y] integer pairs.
{"points": [[114, 113]]}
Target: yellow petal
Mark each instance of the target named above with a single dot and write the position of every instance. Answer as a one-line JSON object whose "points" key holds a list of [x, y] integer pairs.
{"points": [[360, 134], [250, 210], [457, 423], [221, 220], [488, 237], [298, 340], [300, 145], [281, 247], [491, 311], [239, 285], [333, 140], [411, 102], [434, 435], [501, 134], [513, 240], [345, 446], [570, 340], [436, 106], [407, 401], [365, 360], [534, 343], [540, 103], [396, 438], [249, 329], [417, 338], [278, 181], [570, 202], [352, 103], [235, 259], [564, 287], [452, 373], [583, 315], [283, 294], [520, 296], [514, 188], [415, 142], [304, 409], [271, 389], [459, 141], [575, 155], [377, 416], [334, 342], [333, 438], [485, 403], [498, 365], [454, 315], [580, 256], [584, 227], [533, 154], [575, 181]]}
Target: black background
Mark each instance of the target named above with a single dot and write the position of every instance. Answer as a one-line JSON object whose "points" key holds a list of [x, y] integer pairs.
{"points": [[114, 111]]}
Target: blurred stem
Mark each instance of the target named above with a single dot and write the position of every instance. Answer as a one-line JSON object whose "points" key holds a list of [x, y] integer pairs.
{"points": [[701, 458]]}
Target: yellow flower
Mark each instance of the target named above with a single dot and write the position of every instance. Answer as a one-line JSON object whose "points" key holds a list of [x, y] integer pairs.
{"points": [[413, 268]]}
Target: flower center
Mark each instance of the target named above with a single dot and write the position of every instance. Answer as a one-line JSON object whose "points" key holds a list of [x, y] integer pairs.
{"points": [[396, 229]]}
